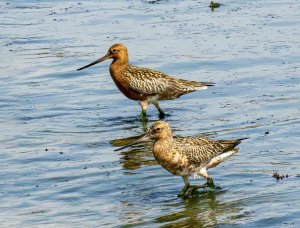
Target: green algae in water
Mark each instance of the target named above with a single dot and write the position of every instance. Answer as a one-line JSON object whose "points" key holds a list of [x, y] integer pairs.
{"points": [[214, 5]]}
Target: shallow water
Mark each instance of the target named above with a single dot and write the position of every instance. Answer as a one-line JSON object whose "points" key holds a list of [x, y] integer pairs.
{"points": [[60, 127]]}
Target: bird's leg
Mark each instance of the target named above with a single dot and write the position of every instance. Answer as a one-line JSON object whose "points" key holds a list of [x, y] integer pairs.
{"points": [[161, 112], [210, 183], [183, 190], [143, 115], [189, 190], [192, 191], [186, 186]]}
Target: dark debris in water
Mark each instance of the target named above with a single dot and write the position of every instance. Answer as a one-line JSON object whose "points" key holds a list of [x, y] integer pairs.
{"points": [[214, 5], [279, 176], [154, 2], [39, 212]]}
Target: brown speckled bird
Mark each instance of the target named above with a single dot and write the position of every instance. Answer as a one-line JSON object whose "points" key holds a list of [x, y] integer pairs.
{"points": [[187, 156], [143, 84]]}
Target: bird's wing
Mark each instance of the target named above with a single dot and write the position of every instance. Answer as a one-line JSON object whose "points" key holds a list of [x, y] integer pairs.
{"points": [[147, 81], [201, 150]]}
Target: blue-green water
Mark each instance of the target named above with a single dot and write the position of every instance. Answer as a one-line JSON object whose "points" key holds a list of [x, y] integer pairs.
{"points": [[59, 127]]}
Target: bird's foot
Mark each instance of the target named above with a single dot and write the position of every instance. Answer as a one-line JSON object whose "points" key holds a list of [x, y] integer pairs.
{"points": [[161, 114], [143, 116], [184, 190], [210, 183], [193, 190], [190, 190]]}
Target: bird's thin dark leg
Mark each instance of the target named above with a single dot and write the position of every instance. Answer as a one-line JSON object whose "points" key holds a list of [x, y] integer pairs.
{"points": [[161, 114], [184, 190], [160, 111], [186, 186]]}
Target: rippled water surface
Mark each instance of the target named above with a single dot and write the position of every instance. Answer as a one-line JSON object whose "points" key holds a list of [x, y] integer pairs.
{"points": [[59, 126]]}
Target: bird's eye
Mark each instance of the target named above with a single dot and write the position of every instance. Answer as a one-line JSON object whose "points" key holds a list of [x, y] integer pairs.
{"points": [[158, 129], [114, 50]]}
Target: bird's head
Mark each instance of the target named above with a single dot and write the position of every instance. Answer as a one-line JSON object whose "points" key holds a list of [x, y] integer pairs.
{"points": [[116, 52], [158, 130]]}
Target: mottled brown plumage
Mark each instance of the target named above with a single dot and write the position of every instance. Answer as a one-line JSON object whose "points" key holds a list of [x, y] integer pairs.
{"points": [[188, 156], [143, 84]]}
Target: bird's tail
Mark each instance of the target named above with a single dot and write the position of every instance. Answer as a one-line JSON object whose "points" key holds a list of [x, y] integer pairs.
{"points": [[182, 86], [202, 85], [238, 141], [231, 144]]}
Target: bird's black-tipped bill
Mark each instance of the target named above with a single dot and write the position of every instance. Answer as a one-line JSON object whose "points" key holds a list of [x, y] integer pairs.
{"points": [[142, 139], [107, 56]]}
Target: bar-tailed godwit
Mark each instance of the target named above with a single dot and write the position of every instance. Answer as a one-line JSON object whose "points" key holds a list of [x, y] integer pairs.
{"points": [[187, 156], [143, 84]]}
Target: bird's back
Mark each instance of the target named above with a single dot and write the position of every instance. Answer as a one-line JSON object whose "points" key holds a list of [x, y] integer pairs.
{"points": [[153, 82], [202, 150]]}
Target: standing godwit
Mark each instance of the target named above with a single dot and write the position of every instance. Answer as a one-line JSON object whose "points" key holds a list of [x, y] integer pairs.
{"points": [[187, 156], [145, 85]]}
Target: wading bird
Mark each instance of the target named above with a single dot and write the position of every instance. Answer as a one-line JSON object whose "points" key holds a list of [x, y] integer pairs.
{"points": [[187, 156], [143, 84]]}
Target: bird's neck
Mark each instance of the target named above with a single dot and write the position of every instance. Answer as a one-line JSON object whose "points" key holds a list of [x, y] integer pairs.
{"points": [[118, 65], [162, 148]]}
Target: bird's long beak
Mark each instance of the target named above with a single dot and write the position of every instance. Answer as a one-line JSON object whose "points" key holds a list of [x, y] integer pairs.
{"points": [[142, 139], [107, 56]]}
